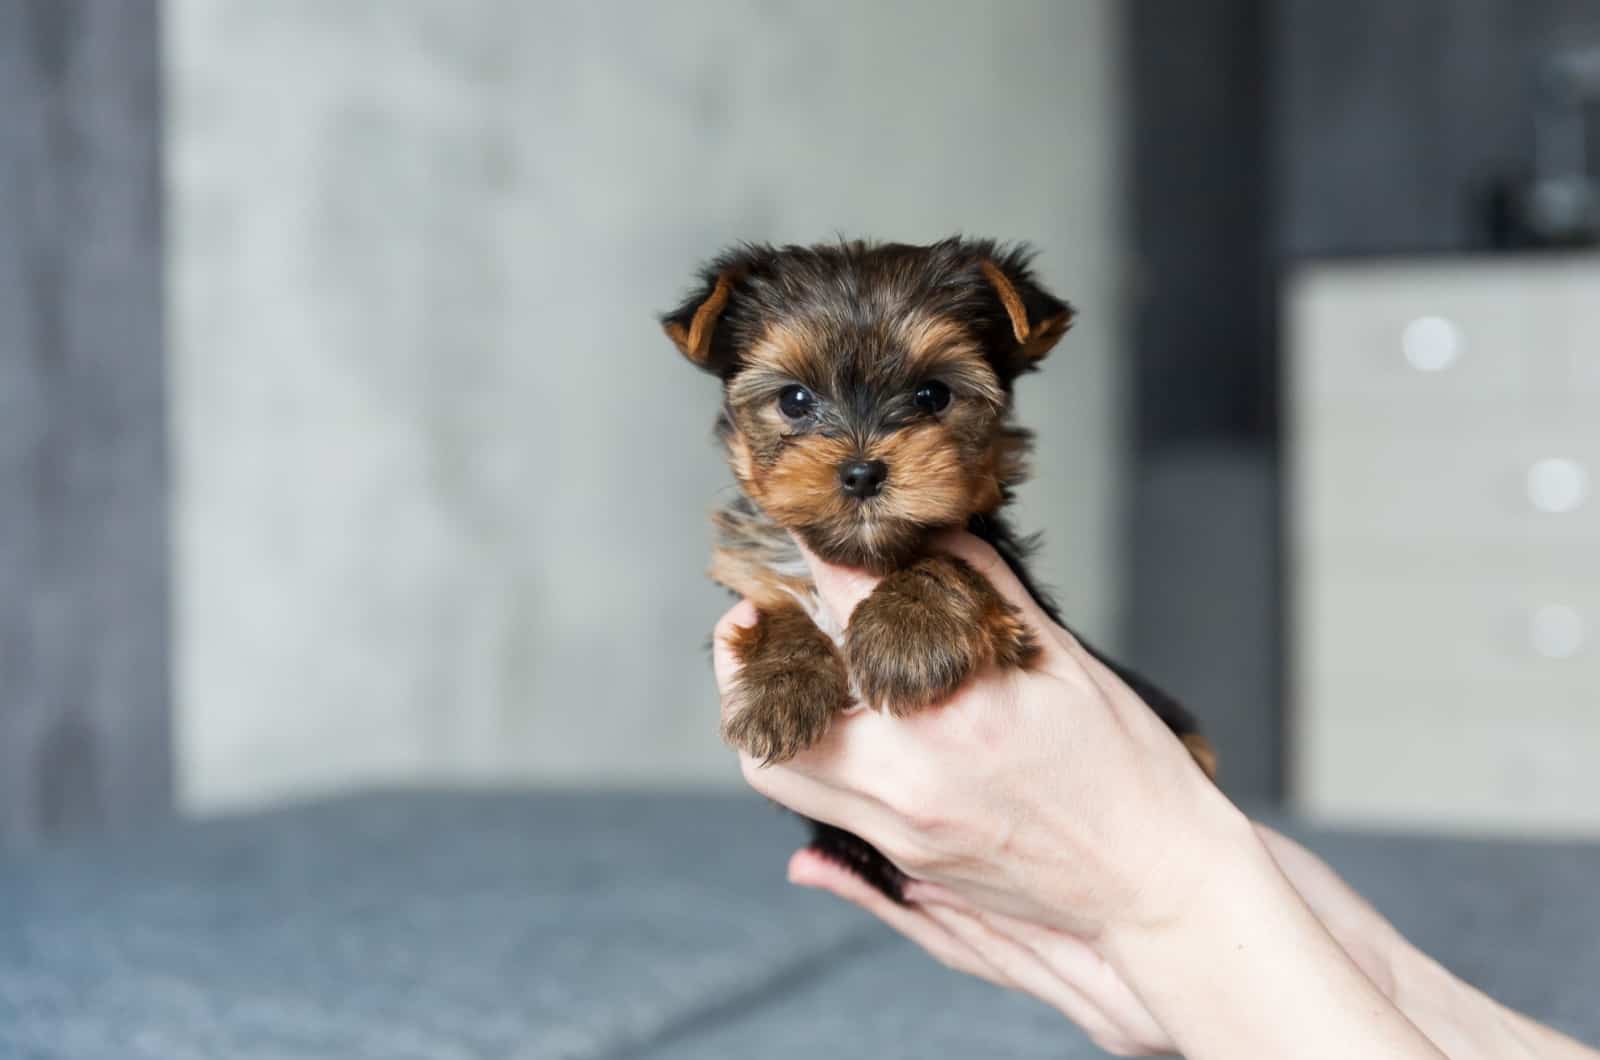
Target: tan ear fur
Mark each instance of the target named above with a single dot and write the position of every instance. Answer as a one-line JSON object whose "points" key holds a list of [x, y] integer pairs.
{"points": [[694, 342], [1035, 338], [1046, 334]]}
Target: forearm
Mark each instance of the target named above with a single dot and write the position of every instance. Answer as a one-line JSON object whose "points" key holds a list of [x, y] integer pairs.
{"points": [[1236, 965], [1468, 1024]]}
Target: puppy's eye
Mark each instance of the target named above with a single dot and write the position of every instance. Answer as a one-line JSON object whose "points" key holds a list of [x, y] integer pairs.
{"points": [[796, 403], [932, 396]]}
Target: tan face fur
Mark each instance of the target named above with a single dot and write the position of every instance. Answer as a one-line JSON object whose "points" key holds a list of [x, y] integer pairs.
{"points": [[905, 359], [942, 467]]}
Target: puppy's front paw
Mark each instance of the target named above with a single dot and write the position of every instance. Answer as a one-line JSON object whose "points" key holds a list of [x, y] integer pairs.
{"points": [[925, 629], [791, 683]]}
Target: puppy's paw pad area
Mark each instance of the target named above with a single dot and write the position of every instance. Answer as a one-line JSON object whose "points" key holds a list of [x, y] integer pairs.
{"points": [[924, 630], [777, 715], [905, 657], [791, 683]]}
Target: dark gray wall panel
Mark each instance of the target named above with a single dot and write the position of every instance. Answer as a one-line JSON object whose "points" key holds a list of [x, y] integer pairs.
{"points": [[1392, 116], [84, 701], [1202, 609], [1197, 187], [1205, 622]]}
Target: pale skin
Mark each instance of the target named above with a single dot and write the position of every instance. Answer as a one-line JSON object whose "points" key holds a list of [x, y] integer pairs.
{"points": [[1062, 843]]}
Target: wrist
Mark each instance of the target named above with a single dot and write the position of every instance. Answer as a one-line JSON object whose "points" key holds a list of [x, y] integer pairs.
{"points": [[1239, 965], [1201, 880], [1205, 858]]}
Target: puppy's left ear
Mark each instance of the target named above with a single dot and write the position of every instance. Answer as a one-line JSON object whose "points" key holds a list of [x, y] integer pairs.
{"points": [[1038, 318], [692, 327]]}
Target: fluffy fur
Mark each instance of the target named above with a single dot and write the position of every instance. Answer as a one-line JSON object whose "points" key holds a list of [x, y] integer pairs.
{"points": [[903, 357]]}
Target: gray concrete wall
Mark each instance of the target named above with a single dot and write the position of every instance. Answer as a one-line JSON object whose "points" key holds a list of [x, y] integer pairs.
{"points": [[441, 483], [83, 478]]}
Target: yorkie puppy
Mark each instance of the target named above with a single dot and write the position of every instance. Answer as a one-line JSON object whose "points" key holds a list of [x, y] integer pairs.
{"points": [[866, 405]]}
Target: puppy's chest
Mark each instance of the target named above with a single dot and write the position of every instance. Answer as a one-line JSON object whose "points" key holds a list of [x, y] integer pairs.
{"points": [[756, 558]]}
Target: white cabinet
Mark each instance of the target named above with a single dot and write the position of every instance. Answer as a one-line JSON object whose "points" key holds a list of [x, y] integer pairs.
{"points": [[1443, 508]]}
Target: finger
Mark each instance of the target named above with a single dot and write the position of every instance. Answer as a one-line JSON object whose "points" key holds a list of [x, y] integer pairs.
{"points": [[982, 557], [724, 663], [1023, 967], [1069, 956], [927, 892], [1080, 963], [860, 750], [1101, 676], [1086, 971], [841, 588], [818, 797], [1086, 989], [1097, 672], [796, 790], [1083, 667], [807, 868]]}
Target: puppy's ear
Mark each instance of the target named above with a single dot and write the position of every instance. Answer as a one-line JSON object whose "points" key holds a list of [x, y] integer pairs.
{"points": [[1038, 318], [692, 326]]}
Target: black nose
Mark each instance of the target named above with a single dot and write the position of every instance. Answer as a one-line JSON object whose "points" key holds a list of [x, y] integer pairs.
{"points": [[863, 478]]}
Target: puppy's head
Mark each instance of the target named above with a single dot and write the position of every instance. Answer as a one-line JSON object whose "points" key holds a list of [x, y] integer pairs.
{"points": [[866, 386]]}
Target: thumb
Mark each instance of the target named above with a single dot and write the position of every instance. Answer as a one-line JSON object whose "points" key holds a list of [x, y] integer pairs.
{"points": [[841, 588], [724, 662]]}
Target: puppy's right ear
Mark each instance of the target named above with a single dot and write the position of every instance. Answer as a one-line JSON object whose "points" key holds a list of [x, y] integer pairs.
{"points": [[693, 325]]}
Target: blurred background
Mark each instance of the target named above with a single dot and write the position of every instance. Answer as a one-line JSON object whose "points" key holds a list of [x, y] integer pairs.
{"points": [[339, 446]]}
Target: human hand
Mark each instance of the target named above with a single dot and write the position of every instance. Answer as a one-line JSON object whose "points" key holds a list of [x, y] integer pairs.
{"points": [[1054, 798], [1069, 974], [1053, 966], [1052, 794]]}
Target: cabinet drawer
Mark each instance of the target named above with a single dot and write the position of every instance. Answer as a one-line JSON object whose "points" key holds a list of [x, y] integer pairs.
{"points": [[1540, 486], [1473, 617], [1493, 754], [1575, 382], [1443, 498], [1521, 334]]}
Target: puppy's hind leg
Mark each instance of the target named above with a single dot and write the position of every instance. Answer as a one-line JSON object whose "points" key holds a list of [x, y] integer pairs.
{"points": [[860, 857]]}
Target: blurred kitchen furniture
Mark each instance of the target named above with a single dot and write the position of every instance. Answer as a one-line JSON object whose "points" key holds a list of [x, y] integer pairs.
{"points": [[1443, 433], [1560, 204], [412, 925]]}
